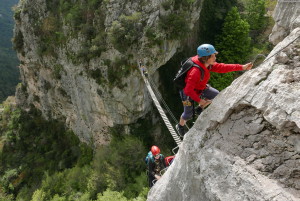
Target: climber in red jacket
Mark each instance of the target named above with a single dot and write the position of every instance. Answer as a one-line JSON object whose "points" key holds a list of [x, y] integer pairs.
{"points": [[196, 89]]}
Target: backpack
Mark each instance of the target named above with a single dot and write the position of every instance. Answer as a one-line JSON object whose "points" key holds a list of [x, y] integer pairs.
{"points": [[149, 157], [186, 65], [169, 160]]}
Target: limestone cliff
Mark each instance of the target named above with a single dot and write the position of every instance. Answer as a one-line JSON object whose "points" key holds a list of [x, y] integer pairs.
{"points": [[79, 58], [246, 145], [287, 18]]}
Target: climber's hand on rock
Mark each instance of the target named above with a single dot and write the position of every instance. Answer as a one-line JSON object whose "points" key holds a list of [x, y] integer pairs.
{"points": [[204, 102], [247, 66], [157, 177]]}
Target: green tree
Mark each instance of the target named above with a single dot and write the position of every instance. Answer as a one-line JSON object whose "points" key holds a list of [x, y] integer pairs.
{"points": [[255, 15], [212, 17], [234, 45], [234, 42], [110, 195], [31, 146]]}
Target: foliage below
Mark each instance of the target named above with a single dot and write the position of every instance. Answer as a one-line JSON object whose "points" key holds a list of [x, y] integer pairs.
{"points": [[32, 146], [41, 160]]}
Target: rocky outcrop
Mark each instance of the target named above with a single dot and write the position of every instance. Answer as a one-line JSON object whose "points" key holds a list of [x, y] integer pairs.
{"points": [[246, 145], [79, 59], [287, 18]]}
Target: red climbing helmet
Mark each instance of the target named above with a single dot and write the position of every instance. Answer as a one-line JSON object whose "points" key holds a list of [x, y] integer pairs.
{"points": [[155, 150]]}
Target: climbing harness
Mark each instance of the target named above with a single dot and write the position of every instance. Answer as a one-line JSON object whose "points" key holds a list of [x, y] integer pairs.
{"points": [[158, 106]]}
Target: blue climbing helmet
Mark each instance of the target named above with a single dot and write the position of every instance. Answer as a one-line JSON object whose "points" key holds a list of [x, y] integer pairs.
{"points": [[206, 50]]}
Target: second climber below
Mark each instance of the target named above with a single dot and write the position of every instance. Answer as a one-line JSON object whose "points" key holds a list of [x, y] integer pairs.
{"points": [[155, 165], [196, 88]]}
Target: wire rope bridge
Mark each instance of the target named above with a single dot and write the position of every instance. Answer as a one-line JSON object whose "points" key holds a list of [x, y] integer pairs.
{"points": [[153, 91]]}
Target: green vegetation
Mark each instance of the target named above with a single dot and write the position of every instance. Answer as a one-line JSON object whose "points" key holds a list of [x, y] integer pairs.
{"points": [[51, 36], [97, 76], [58, 68], [125, 31], [172, 25], [153, 36], [42, 160], [234, 41], [212, 18], [32, 146], [109, 173], [9, 76], [255, 15], [18, 42], [234, 45], [175, 25], [81, 19], [118, 69]]}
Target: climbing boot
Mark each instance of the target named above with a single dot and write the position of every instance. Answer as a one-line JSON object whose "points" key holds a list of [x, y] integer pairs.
{"points": [[198, 110], [180, 130]]}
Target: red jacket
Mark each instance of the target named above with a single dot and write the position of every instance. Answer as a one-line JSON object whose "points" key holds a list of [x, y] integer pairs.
{"points": [[194, 85]]}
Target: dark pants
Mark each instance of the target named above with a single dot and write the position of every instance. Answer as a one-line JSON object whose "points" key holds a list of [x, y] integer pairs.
{"points": [[208, 93], [151, 180]]}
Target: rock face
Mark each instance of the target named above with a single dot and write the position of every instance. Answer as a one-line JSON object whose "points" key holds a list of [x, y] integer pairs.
{"points": [[79, 58], [287, 18], [246, 145]]}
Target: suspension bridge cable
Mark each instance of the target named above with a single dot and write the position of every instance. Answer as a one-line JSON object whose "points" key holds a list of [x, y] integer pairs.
{"points": [[163, 101], [154, 87], [160, 110]]}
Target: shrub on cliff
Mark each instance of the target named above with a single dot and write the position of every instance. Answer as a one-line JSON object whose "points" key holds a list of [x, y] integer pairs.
{"points": [[174, 25], [125, 31]]}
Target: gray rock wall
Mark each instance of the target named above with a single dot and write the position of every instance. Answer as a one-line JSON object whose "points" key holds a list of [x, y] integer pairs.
{"points": [[245, 146], [287, 18]]}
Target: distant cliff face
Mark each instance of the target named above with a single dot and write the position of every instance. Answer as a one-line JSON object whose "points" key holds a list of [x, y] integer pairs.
{"points": [[79, 58], [246, 145]]}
